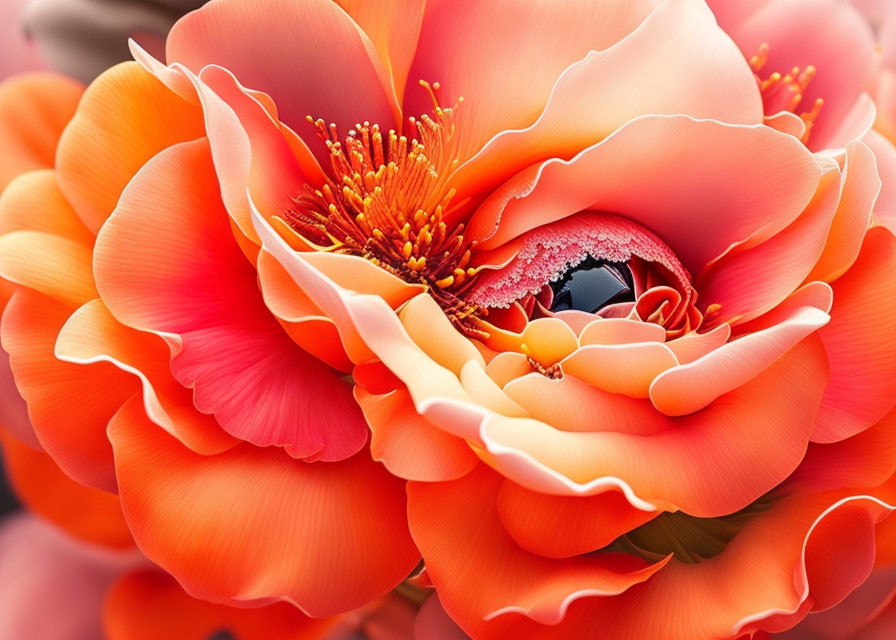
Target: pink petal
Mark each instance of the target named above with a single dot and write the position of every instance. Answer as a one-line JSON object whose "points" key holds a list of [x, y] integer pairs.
{"points": [[693, 183], [179, 272], [52, 586]]}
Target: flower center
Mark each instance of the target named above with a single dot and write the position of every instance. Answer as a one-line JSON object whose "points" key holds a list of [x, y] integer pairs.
{"points": [[785, 92], [387, 199]]}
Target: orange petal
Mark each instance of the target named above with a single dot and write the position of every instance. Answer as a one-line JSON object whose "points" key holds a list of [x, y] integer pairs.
{"points": [[676, 61], [394, 28], [859, 342], [804, 551], [167, 262], [457, 528], [89, 514], [70, 405], [627, 369], [429, 328], [125, 118], [92, 335], [692, 463], [565, 526], [34, 109], [573, 404], [149, 604], [55, 266], [408, 444], [620, 331], [335, 534], [33, 202]]}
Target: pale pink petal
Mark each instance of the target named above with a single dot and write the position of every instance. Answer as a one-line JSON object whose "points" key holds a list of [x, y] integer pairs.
{"points": [[861, 185], [747, 282], [859, 343], [677, 61], [690, 387]]}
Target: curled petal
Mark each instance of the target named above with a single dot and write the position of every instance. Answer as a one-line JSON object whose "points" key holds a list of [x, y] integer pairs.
{"points": [[253, 39], [700, 201], [70, 405], [457, 37], [149, 604], [174, 502], [92, 515], [676, 61], [457, 528], [125, 118]]}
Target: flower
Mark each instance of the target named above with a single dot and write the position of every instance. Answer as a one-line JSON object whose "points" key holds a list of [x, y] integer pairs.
{"points": [[610, 300]]}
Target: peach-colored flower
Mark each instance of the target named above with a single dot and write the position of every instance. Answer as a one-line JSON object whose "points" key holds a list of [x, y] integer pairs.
{"points": [[625, 334]]}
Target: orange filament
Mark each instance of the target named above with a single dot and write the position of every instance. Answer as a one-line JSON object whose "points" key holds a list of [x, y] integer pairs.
{"points": [[785, 92], [387, 201]]}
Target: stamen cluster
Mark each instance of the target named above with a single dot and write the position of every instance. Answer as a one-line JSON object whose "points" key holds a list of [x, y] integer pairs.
{"points": [[388, 201]]}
